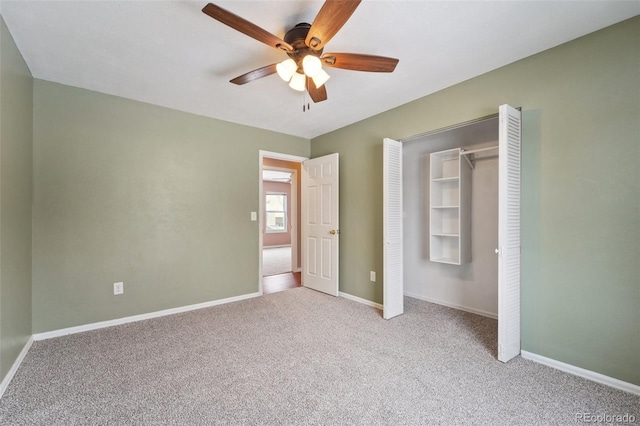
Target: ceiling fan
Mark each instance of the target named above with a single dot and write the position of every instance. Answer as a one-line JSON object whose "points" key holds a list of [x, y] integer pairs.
{"points": [[304, 44]]}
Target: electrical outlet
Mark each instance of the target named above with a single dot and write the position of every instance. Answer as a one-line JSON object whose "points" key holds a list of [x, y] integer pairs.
{"points": [[372, 276], [118, 288]]}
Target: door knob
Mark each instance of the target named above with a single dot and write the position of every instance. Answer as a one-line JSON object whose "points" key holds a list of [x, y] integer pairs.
{"points": [[497, 251], [334, 231]]}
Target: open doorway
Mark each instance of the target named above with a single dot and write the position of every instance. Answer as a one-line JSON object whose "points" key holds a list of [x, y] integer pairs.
{"points": [[443, 275], [280, 222], [471, 284], [276, 239]]}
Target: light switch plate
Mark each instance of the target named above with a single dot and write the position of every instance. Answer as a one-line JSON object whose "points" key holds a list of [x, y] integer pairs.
{"points": [[254, 216]]}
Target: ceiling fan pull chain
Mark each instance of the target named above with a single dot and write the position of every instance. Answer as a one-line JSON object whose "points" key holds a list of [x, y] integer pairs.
{"points": [[305, 104]]}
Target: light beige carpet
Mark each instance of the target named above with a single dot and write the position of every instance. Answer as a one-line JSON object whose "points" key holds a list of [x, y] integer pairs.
{"points": [[297, 357]]}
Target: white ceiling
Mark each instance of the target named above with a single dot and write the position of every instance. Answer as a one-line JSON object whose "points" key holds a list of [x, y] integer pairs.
{"points": [[171, 54]]}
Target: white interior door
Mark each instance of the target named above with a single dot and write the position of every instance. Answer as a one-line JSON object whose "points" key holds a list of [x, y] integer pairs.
{"points": [[320, 231], [509, 234], [393, 286]]}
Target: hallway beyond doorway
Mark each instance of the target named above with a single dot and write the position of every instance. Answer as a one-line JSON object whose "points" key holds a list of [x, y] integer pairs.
{"points": [[276, 260]]}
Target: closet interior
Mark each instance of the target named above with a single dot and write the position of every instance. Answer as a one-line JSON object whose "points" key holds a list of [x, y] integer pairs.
{"points": [[450, 203]]}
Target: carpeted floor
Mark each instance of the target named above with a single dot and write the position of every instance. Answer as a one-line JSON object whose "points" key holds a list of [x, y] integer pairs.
{"points": [[297, 357], [276, 260]]}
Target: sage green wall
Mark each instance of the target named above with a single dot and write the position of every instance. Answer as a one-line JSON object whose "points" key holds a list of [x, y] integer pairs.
{"points": [[580, 192], [156, 198], [16, 148]]}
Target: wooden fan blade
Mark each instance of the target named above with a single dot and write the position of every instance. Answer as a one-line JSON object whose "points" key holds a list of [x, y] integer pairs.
{"points": [[255, 74], [246, 27], [316, 94], [359, 62], [332, 16]]}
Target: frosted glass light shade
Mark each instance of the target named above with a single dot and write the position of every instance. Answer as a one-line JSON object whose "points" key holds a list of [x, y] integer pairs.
{"points": [[311, 65], [320, 78], [286, 69], [298, 82]]}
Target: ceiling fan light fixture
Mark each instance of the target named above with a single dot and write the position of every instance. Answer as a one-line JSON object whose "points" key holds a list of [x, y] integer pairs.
{"points": [[320, 78], [311, 65], [286, 69], [298, 82]]}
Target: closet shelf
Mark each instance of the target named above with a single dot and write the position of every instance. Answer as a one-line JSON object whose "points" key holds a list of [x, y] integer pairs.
{"points": [[449, 213]]}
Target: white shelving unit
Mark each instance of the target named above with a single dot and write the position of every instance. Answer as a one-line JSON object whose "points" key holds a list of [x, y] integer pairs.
{"points": [[450, 208]]}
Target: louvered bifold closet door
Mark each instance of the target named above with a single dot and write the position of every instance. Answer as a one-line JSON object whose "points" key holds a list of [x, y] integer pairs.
{"points": [[509, 234], [393, 287]]}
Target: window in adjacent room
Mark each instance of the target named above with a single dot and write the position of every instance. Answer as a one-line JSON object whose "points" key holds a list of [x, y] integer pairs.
{"points": [[276, 210]]}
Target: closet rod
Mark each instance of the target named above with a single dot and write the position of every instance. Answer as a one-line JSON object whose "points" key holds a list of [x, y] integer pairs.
{"points": [[473, 151]]}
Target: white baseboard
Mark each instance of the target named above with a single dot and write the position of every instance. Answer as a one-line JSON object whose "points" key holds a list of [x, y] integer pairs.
{"points": [[360, 300], [141, 317], [12, 371], [276, 246], [577, 371], [452, 305]]}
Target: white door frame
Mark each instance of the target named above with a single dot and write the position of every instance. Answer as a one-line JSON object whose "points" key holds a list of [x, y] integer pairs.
{"points": [[275, 156]]}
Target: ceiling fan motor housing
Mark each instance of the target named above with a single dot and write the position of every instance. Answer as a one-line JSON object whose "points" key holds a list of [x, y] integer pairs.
{"points": [[296, 37]]}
